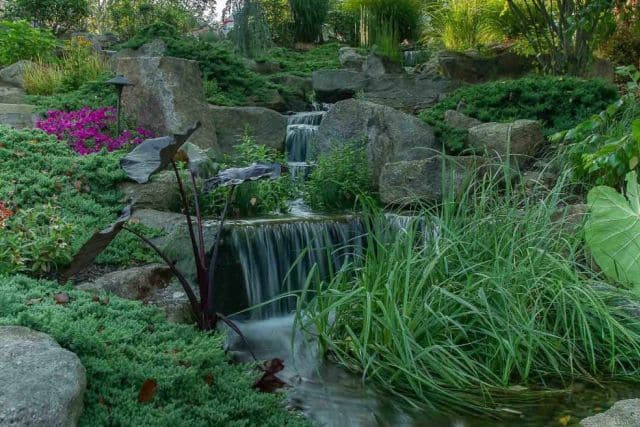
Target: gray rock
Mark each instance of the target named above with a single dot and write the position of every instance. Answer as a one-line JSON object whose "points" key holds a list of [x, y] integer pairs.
{"points": [[418, 181], [151, 284], [165, 221], [14, 73], [350, 58], [336, 85], [42, 384], [12, 95], [301, 91], [473, 68], [410, 94], [522, 138], [377, 66], [267, 127], [390, 135], [457, 120], [161, 193], [168, 97], [18, 116], [625, 413], [264, 67]]}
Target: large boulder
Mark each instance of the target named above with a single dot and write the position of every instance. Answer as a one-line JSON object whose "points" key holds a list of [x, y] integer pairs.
{"points": [[390, 135], [18, 116], [160, 193], [267, 127], [471, 67], [458, 120], [625, 413], [377, 66], [14, 73], [416, 181], [350, 58], [522, 138], [151, 284], [336, 85], [42, 384], [167, 97], [12, 95], [410, 94]]}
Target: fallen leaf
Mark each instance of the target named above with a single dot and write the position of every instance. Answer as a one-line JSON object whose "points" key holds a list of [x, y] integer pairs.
{"points": [[269, 382], [95, 298], [147, 390], [61, 298], [208, 380], [564, 420], [33, 301]]}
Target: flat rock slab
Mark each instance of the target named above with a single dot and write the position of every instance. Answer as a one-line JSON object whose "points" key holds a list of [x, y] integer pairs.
{"points": [[17, 116], [41, 384], [12, 95], [625, 413]]}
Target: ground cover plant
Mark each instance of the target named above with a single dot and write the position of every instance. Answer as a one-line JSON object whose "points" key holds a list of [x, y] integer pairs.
{"points": [[559, 103], [93, 94], [58, 198], [123, 344], [482, 303]]}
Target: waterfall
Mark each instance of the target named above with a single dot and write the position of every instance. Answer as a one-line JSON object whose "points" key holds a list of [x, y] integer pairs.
{"points": [[276, 258], [308, 118], [299, 138]]}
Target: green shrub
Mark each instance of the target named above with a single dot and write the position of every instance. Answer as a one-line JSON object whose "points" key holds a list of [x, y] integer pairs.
{"points": [[479, 304], [57, 15], [37, 170], [123, 343], [605, 147], [95, 94], [19, 40], [80, 64], [322, 57], [253, 198], [339, 178], [623, 47], [559, 103]]}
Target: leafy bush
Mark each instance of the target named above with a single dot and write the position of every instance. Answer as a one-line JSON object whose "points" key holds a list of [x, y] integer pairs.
{"points": [[87, 131], [36, 170], [465, 304], [253, 198], [605, 147], [559, 103], [124, 343], [57, 15], [19, 40], [623, 47], [94, 95], [43, 79], [613, 232], [339, 178], [80, 64], [35, 241]]}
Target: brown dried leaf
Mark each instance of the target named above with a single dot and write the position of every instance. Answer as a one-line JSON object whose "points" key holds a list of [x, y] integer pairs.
{"points": [[61, 298], [147, 391], [208, 379], [269, 382]]}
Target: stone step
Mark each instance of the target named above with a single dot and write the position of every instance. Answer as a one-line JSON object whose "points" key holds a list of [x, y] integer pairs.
{"points": [[18, 116], [12, 95]]}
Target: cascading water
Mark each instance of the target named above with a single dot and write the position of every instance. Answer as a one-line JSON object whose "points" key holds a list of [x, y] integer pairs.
{"points": [[301, 133], [277, 258]]}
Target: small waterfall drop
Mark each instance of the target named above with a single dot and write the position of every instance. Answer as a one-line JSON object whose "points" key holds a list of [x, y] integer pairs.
{"points": [[277, 258], [299, 138]]}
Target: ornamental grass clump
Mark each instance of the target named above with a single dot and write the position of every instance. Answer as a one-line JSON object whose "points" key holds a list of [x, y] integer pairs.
{"points": [[87, 131], [481, 303]]}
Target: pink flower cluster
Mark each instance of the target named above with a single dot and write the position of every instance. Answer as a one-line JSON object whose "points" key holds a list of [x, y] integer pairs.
{"points": [[86, 130]]}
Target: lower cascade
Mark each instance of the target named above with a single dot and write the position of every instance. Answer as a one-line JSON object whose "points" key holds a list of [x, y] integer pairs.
{"points": [[277, 258]]}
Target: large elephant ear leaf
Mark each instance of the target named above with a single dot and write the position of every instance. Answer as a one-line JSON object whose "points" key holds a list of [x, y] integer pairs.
{"points": [[95, 245], [237, 176], [612, 231], [153, 155]]}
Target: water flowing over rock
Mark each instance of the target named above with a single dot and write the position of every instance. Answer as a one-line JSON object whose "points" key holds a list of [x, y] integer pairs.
{"points": [[625, 413], [167, 97], [522, 138], [389, 135], [419, 181], [41, 384], [266, 127], [299, 138]]}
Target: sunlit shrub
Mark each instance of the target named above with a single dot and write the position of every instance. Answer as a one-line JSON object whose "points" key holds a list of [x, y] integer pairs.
{"points": [[80, 64], [43, 79], [19, 40]]}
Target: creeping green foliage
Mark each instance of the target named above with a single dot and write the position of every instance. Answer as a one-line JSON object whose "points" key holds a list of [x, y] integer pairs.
{"points": [[123, 343], [339, 178], [605, 147], [94, 94], [302, 64], [613, 231], [19, 40], [560, 103], [36, 169]]}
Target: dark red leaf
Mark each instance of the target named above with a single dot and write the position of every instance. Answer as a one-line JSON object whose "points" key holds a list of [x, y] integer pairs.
{"points": [[147, 391], [269, 382]]}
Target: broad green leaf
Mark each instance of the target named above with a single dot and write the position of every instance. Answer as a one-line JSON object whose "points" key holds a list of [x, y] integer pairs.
{"points": [[612, 231]]}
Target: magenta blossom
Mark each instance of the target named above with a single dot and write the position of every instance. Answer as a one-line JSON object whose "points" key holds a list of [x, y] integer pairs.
{"points": [[85, 130]]}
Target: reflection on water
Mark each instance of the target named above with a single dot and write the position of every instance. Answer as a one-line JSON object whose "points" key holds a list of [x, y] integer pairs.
{"points": [[333, 397]]}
